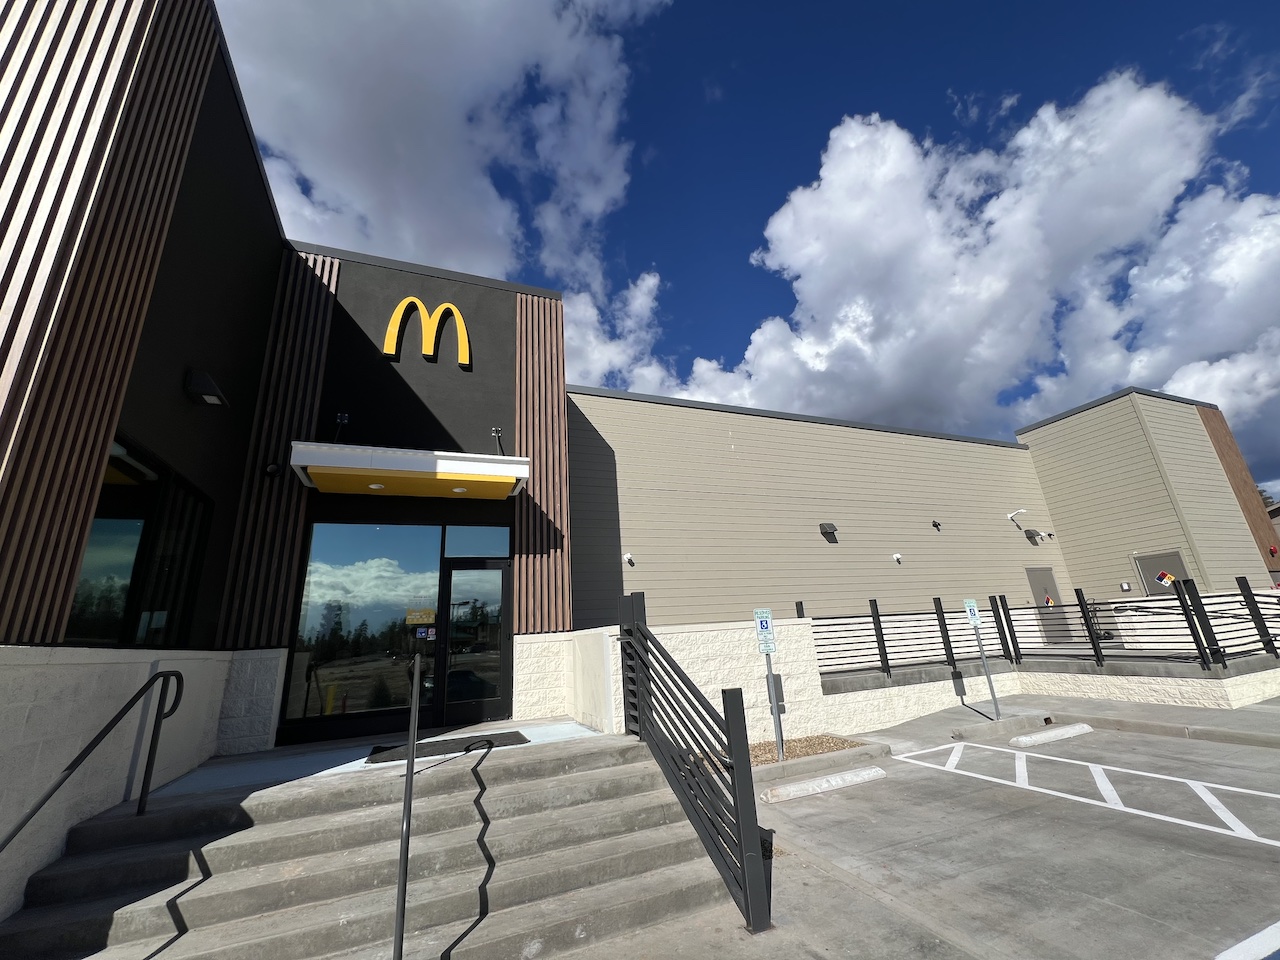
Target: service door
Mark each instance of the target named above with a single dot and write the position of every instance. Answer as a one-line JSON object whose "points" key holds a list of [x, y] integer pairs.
{"points": [[1044, 588], [1150, 567], [474, 652]]}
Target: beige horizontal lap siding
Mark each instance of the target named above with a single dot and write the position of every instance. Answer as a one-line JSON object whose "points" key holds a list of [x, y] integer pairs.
{"points": [[720, 512], [1101, 479], [1224, 544], [101, 102]]}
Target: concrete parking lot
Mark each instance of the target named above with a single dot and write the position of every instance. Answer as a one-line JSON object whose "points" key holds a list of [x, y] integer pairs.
{"points": [[1111, 845]]}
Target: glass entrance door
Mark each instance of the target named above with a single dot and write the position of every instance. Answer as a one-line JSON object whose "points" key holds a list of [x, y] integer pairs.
{"points": [[474, 652]]}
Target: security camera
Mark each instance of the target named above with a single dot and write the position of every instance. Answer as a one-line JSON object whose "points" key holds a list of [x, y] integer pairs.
{"points": [[897, 557], [630, 561]]}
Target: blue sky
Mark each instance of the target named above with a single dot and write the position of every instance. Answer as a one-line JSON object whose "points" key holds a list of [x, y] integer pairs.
{"points": [[943, 216]]}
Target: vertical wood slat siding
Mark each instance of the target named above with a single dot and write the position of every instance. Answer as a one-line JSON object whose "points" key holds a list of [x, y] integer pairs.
{"points": [[258, 607], [1241, 479], [86, 212], [541, 557]]}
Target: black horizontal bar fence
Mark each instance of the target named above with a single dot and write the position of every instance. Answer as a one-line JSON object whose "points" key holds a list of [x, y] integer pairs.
{"points": [[1183, 627], [705, 758]]}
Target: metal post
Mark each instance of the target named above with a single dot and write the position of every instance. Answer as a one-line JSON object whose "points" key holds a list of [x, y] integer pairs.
{"points": [[1188, 616], [1013, 634], [1259, 622], [755, 894], [402, 882], [995, 615], [799, 609], [1088, 626], [982, 655], [879, 628], [161, 713], [942, 625], [1206, 626], [775, 704]]}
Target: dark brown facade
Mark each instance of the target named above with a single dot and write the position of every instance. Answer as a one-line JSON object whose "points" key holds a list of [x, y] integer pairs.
{"points": [[1242, 483], [104, 125], [144, 250], [542, 570]]}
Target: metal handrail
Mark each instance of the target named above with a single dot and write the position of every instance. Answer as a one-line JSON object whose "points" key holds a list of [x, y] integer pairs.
{"points": [[705, 758], [406, 814], [163, 676]]}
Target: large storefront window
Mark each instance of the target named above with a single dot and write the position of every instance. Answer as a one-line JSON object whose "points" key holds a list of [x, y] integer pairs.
{"points": [[370, 602], [375, 595]]}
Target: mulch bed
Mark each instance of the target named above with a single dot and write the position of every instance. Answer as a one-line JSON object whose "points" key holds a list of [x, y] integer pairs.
{"points": [[767, 751]]}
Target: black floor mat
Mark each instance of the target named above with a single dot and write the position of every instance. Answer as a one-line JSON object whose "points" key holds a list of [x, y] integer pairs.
{"points": [[436, 748]]}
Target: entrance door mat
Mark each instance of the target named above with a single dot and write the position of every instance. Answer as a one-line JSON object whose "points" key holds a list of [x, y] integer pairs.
{"points": [[436, 748]]}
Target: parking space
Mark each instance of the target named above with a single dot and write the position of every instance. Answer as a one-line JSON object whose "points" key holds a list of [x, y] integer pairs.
{"points": [[1110, 845]]}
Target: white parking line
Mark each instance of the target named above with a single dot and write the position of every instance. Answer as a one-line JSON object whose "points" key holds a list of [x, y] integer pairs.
{"points": [[1204, 790], [1261, 946]]}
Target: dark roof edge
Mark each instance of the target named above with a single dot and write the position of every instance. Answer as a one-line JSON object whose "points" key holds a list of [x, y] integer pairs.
{"points": [[244, 115], [421, 269], [779, 415], [1107, 399]]}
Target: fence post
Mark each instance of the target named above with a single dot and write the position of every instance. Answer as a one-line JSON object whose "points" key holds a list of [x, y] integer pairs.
{"points": [[755, 893], [1206, 626], [884, 652], [631, 612], [1188, 616], [1013, 634], [995, 615], [1083, 604], [1259, 622], [946, 637], [799, 609]]}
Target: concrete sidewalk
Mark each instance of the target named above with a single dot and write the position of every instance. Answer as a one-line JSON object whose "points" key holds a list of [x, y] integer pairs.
{"points": [[822, 908]]}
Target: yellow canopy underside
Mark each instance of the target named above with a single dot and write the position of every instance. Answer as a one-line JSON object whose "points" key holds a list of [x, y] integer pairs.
{"points": [[403, 483]]}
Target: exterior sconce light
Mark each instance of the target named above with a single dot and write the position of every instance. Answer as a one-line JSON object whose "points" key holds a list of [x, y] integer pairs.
{"points": [[897, 558], [200, 388], [1033, 536], [937, 526], [828, 531], [1125, 586]]}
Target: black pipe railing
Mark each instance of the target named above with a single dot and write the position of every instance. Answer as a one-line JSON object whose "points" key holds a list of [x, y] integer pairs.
{"points": [[406, 813], [1185, 627], [162, 677], [705, 757]]}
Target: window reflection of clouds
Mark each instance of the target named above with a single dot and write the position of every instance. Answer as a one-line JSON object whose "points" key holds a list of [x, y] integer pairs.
{"points": [[374, 572], [479, 585]]}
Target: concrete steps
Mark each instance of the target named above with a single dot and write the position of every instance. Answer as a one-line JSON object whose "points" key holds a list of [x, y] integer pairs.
{"points": [[569, 829]]}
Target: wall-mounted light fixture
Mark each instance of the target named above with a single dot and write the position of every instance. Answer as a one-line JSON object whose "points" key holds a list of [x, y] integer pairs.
{"points": [[897, 558], [200, 388], [1033, 536], [828, 531], [937, 526], [1010, 516], [1125, 586]]}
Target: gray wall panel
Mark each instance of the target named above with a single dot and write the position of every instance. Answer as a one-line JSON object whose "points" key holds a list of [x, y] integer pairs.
{"points": [[720, 511]]}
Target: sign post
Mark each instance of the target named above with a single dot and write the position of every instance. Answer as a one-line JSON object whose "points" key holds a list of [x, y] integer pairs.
{"points": [[975, 620], [769, 646]]}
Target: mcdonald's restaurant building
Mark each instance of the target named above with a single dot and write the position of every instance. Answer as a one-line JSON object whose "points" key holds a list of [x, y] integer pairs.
{"points": [[284, 469]]}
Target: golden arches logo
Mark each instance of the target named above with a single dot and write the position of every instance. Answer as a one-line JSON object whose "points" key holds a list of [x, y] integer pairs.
{"points": [[431, 321]]}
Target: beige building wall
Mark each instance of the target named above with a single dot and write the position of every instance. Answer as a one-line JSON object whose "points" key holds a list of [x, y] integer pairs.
{"points": [[1136, 474], [1203, 495], [719, 510]]}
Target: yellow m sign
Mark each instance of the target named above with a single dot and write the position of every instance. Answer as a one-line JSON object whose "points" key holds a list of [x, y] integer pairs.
{"points": [[431, 323]]}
